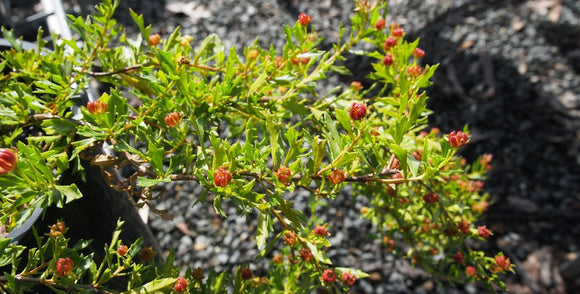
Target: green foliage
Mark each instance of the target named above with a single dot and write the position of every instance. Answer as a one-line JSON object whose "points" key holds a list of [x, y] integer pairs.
{"points": [[249, 114]]}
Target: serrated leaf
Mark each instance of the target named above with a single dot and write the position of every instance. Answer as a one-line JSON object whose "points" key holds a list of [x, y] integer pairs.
{"points": [[58, 126], [71, 192]]}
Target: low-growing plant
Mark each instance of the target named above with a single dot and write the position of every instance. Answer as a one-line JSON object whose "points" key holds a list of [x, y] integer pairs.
{"points": [[251, 128]]}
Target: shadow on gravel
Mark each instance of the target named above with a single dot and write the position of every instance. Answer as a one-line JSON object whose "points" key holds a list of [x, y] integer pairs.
{"points": [[532, 136], [534, 180]]}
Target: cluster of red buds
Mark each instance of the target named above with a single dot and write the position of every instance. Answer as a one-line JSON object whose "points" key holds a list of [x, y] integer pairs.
{"points": [[336, 176], [222, 177], [64, 266], [457, 139], [284, 175], [172, 119], [304, 19], [57, 229]]}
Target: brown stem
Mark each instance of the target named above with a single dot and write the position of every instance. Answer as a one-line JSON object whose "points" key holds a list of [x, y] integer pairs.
{"points": [[126, 69]]}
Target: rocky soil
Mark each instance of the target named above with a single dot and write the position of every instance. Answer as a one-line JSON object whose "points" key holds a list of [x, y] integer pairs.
{"points": [[510, 69]]}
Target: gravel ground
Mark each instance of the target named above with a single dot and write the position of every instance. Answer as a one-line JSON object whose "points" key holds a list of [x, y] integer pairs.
{"points": [[509, 69]]}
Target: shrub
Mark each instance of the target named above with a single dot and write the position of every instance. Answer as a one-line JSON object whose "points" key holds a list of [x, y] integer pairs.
{"points": [[250, 128]]}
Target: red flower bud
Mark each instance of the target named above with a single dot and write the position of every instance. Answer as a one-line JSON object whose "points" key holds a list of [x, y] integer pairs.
{"points": [[8, 160], [458, 257], [328, 276], [154, 40], [418, 53], [246, 273], [414, 70], [304, 19], [97, 106], [480, 207], [222, 177], [64, 266], [358, 111], [398, 32], [306, 254], [197, 274], [180, 285], [172, 119], [356, 85], [320, 231], [470, 271], [122, 250], [348, 278], [57, 229], [147, 253], [431, 198], [503, 263], [388, 59], [464, 226], [380, 24], [336, 176], [483, 232], [390, 42], [457, 139], [289, 238], [284, 175]]}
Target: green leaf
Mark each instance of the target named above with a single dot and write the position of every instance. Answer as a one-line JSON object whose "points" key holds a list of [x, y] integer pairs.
{"points": [[138, 19], [318, 254], [401, 155], [155, 154], [262, 231], [153, 286], [217, 205], [71, 192], [286, 207], [358, 273], [344, 119], [11, 38], [146, 182], [209, 43], [413, 164], [8, 251], [319, 150], [58, 126], [274, 134], [346, 158]]}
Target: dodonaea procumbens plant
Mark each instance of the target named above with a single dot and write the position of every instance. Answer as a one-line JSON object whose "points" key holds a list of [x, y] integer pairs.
{"points": [[251, 128]]}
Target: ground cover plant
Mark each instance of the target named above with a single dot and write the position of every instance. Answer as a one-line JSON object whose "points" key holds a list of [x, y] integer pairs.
{"points": [[249, 128]]}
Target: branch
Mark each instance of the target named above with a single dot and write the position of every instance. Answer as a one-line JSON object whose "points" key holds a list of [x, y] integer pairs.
{"points": [[126, 69]]}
